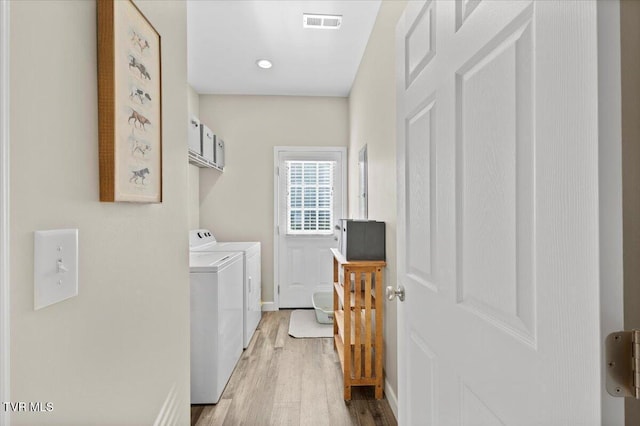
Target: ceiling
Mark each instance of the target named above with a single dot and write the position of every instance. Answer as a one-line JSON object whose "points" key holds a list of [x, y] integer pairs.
{"points": [[226, 38]]}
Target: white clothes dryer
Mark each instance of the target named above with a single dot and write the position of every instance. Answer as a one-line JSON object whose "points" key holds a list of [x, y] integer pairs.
{"points": [[202, 240], [216, 318]]}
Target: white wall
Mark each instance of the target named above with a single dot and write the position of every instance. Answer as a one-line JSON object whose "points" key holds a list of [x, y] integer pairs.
{"points": [[114, 354], [238, 203], [372, 111], [194, 171], [5, 302]]}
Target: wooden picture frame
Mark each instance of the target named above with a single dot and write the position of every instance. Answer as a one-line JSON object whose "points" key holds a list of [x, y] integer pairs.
{"points": [[129, 104]]}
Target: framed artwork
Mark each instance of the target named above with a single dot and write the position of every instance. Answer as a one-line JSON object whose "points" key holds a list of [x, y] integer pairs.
{"points": [[129, 104]]}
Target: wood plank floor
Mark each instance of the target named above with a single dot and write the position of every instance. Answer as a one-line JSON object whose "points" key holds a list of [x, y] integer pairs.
{"points": [[285, 381]]}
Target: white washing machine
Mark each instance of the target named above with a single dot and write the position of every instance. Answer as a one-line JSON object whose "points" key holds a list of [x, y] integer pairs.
{"points": [[216, 322], [202, 240]]}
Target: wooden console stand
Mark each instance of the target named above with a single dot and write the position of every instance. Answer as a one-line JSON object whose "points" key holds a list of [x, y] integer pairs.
{"points": [[357, 325]]}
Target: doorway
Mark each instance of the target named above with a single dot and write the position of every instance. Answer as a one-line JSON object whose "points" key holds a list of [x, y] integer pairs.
{"points": [[309, 201], [363, 183]]}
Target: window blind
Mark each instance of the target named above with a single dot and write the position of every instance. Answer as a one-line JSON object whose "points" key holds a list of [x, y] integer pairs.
{"points": [[310, 191]]}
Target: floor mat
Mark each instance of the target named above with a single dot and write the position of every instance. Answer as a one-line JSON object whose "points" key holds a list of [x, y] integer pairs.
{"points": [[303, 324]]}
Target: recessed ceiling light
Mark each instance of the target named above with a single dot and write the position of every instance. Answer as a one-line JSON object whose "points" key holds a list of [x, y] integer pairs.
{"points": [[264, 63]]}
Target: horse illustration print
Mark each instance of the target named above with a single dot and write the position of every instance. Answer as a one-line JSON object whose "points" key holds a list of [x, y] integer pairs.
{"points": [[140, 95], [134, 63], [138, 41], [139, 148], [139, 174], [138, 119]]}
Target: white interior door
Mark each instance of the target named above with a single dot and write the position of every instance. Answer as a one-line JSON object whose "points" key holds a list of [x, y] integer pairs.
{"points": [[309, 203], [498, 215]]}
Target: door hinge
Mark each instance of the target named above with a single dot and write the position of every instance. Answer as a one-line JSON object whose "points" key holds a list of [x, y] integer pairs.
{"points": [[623, 363], [278, 171], [278, 289]]}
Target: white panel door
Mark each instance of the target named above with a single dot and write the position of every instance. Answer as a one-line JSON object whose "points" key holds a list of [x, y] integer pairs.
{"points": [[498, 214], [308, 207]]}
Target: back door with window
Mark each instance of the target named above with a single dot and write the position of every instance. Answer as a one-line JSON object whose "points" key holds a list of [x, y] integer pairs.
{"points": [[309, 205]]}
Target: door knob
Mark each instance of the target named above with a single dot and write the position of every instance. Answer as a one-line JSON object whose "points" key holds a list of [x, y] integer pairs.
{"points": [[391, 293]]}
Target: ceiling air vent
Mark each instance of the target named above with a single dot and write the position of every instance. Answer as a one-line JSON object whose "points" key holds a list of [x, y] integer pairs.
{"points": [[323, 22]]}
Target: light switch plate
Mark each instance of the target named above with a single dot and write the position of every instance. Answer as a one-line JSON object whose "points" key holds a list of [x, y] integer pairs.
{"points": [[55, 266]]}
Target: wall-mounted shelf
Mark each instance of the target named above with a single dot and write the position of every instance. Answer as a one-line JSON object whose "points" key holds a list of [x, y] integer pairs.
{"points": [[199, 161]]}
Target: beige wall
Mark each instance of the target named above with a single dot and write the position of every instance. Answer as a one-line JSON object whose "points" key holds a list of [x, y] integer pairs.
{"points": [[115, 353], [194, 171], [193, 100], [238, 203], [372, 111], [629, 46]]}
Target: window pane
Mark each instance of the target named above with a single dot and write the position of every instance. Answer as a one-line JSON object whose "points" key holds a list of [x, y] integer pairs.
{"points": [[324, 198], [324, 220], [310, 200], [310, 173], [310, 218], [295, 218], [325, 173], [295, 198], [310, 197], [295, 172]]}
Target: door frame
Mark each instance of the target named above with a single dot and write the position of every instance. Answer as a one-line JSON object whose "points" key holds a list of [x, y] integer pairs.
{"points": [[610, 193], [277, 150], [4, 210]]}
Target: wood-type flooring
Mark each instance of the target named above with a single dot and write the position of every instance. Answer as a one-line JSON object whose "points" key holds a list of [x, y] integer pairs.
{"points": [[283, 381]]}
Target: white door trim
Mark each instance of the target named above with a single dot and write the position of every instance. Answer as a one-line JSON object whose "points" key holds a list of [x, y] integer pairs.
{"points": [[610, 191], [4, 209], [276, 214]]}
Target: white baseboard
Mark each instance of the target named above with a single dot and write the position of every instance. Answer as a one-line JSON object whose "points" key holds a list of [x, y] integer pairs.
{"points": [[391, 397], [269, 307]]}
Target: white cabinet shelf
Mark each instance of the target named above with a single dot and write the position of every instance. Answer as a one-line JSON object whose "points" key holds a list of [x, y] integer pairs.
{"points": [[199, 161]]}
